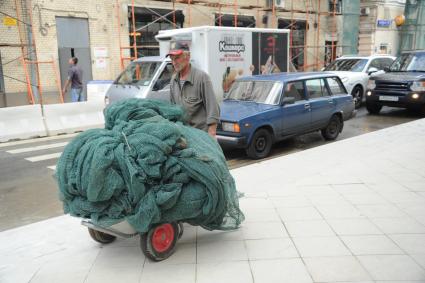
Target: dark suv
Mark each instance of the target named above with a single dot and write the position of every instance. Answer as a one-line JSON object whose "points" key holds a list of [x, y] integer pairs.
{"points": [[403, 84]]}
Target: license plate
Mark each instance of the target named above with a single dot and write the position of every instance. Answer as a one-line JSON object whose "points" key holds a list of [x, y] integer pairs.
{"points": [[388, 98]]}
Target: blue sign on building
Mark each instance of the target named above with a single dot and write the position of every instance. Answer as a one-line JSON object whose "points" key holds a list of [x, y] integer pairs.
{"points": [[384, 23]]}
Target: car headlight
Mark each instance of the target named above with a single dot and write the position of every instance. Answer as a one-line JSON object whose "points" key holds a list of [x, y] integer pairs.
{"points": [[344, 79], [418, 86], [371, 84], [230, 127]]}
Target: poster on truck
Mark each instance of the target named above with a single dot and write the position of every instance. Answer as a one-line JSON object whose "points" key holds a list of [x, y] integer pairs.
{"points": [[269, 53], [230, 58]]}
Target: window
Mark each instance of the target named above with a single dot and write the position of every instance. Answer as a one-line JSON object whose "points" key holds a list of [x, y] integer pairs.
{"points": [[352, 65], [298, 33], [148, 22], [165, 77], [138, 73], [266, 92], [295, 90], [335, 6], [383, 48], [316, 88], [374, 64], [335, 86], [228, 20], [386, 62]]}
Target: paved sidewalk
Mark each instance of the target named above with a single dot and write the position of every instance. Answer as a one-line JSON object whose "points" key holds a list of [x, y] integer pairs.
{"points": [[349, 211]]}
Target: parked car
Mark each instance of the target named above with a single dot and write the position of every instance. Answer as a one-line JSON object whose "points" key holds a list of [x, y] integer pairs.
{"points": [[354, 71], [402, 86], [261, 110]]}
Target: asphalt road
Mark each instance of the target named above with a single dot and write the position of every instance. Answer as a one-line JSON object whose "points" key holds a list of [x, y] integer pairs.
{"points": [[28, 192]]}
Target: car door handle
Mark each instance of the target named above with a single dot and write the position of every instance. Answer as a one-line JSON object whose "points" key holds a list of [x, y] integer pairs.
{"points": [[331, 101], [307, 106]]}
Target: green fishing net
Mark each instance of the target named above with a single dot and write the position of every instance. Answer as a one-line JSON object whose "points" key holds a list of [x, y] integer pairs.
{"points": [[147, 167]]}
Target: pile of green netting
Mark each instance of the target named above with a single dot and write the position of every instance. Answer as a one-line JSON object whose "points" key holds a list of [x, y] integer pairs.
{"points": [[147, 167]]}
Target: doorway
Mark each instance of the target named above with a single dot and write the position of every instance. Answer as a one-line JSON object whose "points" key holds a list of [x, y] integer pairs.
{"points": [[74, 41]]}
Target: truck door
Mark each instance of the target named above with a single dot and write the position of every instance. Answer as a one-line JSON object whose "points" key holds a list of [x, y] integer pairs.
{"points": [[161, 88]]}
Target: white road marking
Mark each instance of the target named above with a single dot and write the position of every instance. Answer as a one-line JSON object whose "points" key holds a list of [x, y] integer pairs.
{"points": [[6, 144], [44, 157], [35, 148]]}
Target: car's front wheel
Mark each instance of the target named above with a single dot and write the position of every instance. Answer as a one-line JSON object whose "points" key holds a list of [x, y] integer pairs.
{"points": [[333, 128], [260, 145], [357, 94], [373, 108]]}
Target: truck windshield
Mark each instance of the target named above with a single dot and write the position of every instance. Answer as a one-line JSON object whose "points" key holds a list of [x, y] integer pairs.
{"points": [[138, 73], [266, 92], [409, 62], [352, 65]]}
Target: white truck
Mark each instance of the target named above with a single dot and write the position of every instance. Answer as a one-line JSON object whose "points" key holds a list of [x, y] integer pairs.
{"points": [[225, 53]]}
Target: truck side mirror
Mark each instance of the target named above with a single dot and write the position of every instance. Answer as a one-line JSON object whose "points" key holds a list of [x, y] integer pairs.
{"points": [[288, 100]]}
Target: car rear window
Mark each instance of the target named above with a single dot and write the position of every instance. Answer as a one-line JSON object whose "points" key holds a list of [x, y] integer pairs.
{"points": [[316, 88], [335, 86]]}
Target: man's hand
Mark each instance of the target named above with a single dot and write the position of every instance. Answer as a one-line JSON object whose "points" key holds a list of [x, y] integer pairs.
{"points": [[212, 130], [64, 91]]}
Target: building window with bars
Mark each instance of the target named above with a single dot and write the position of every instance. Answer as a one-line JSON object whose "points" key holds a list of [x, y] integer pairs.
{"points": [[149, 22], [335, 6]]}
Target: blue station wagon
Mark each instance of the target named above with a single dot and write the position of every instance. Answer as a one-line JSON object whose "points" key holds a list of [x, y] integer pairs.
{"points": [[261, 110]]}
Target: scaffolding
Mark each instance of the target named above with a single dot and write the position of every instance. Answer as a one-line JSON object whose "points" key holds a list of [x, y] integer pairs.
{"points": [[312, 14], [28, 50], [313, 49]]}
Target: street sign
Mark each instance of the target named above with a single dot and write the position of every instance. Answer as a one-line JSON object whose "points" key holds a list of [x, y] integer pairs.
{"points": [[384, 23], [9, 21]]}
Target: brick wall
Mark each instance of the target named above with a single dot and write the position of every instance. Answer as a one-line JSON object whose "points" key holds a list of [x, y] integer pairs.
{"points": [[103, 30]]}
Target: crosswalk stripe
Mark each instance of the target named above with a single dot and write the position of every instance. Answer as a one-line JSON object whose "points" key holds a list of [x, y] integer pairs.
{"points": [[6, 144], [44, 157], [35, 148], [52, 167]]}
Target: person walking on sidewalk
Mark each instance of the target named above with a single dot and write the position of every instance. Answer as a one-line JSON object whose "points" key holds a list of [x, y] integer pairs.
{"points": [[75, 78], [192, 89]]}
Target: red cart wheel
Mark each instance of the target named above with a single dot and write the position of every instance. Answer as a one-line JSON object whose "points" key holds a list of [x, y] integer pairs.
{"points": [[160, 241]]}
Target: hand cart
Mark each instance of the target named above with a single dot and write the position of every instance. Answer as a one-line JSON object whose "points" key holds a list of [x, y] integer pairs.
{"points": [[157, 244]]}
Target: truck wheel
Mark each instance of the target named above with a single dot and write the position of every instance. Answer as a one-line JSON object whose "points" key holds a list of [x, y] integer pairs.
{"points": [[373, 108], [101, 237], [357, 94], [160, 241], [333, 128], [260, 145]]}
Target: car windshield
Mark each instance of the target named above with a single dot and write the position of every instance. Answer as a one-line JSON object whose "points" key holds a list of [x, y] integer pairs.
{"points": [[352, 65], [409, 62], [138, 73], [266, 92]]}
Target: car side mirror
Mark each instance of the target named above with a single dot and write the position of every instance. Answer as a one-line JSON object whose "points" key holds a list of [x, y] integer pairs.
{"points": [[372, 70], [288, 100], [387, 69]]}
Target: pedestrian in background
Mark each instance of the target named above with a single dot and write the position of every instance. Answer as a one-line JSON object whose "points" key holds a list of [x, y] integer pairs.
{"points": [[75, 78], [192, 89]]}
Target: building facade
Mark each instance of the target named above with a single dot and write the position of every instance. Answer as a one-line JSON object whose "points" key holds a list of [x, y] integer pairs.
{"points": [[379, 32], [100, 33]]}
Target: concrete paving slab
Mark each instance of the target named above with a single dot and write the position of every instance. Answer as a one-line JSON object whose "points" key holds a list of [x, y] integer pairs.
{"points": [[340, 225]]}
